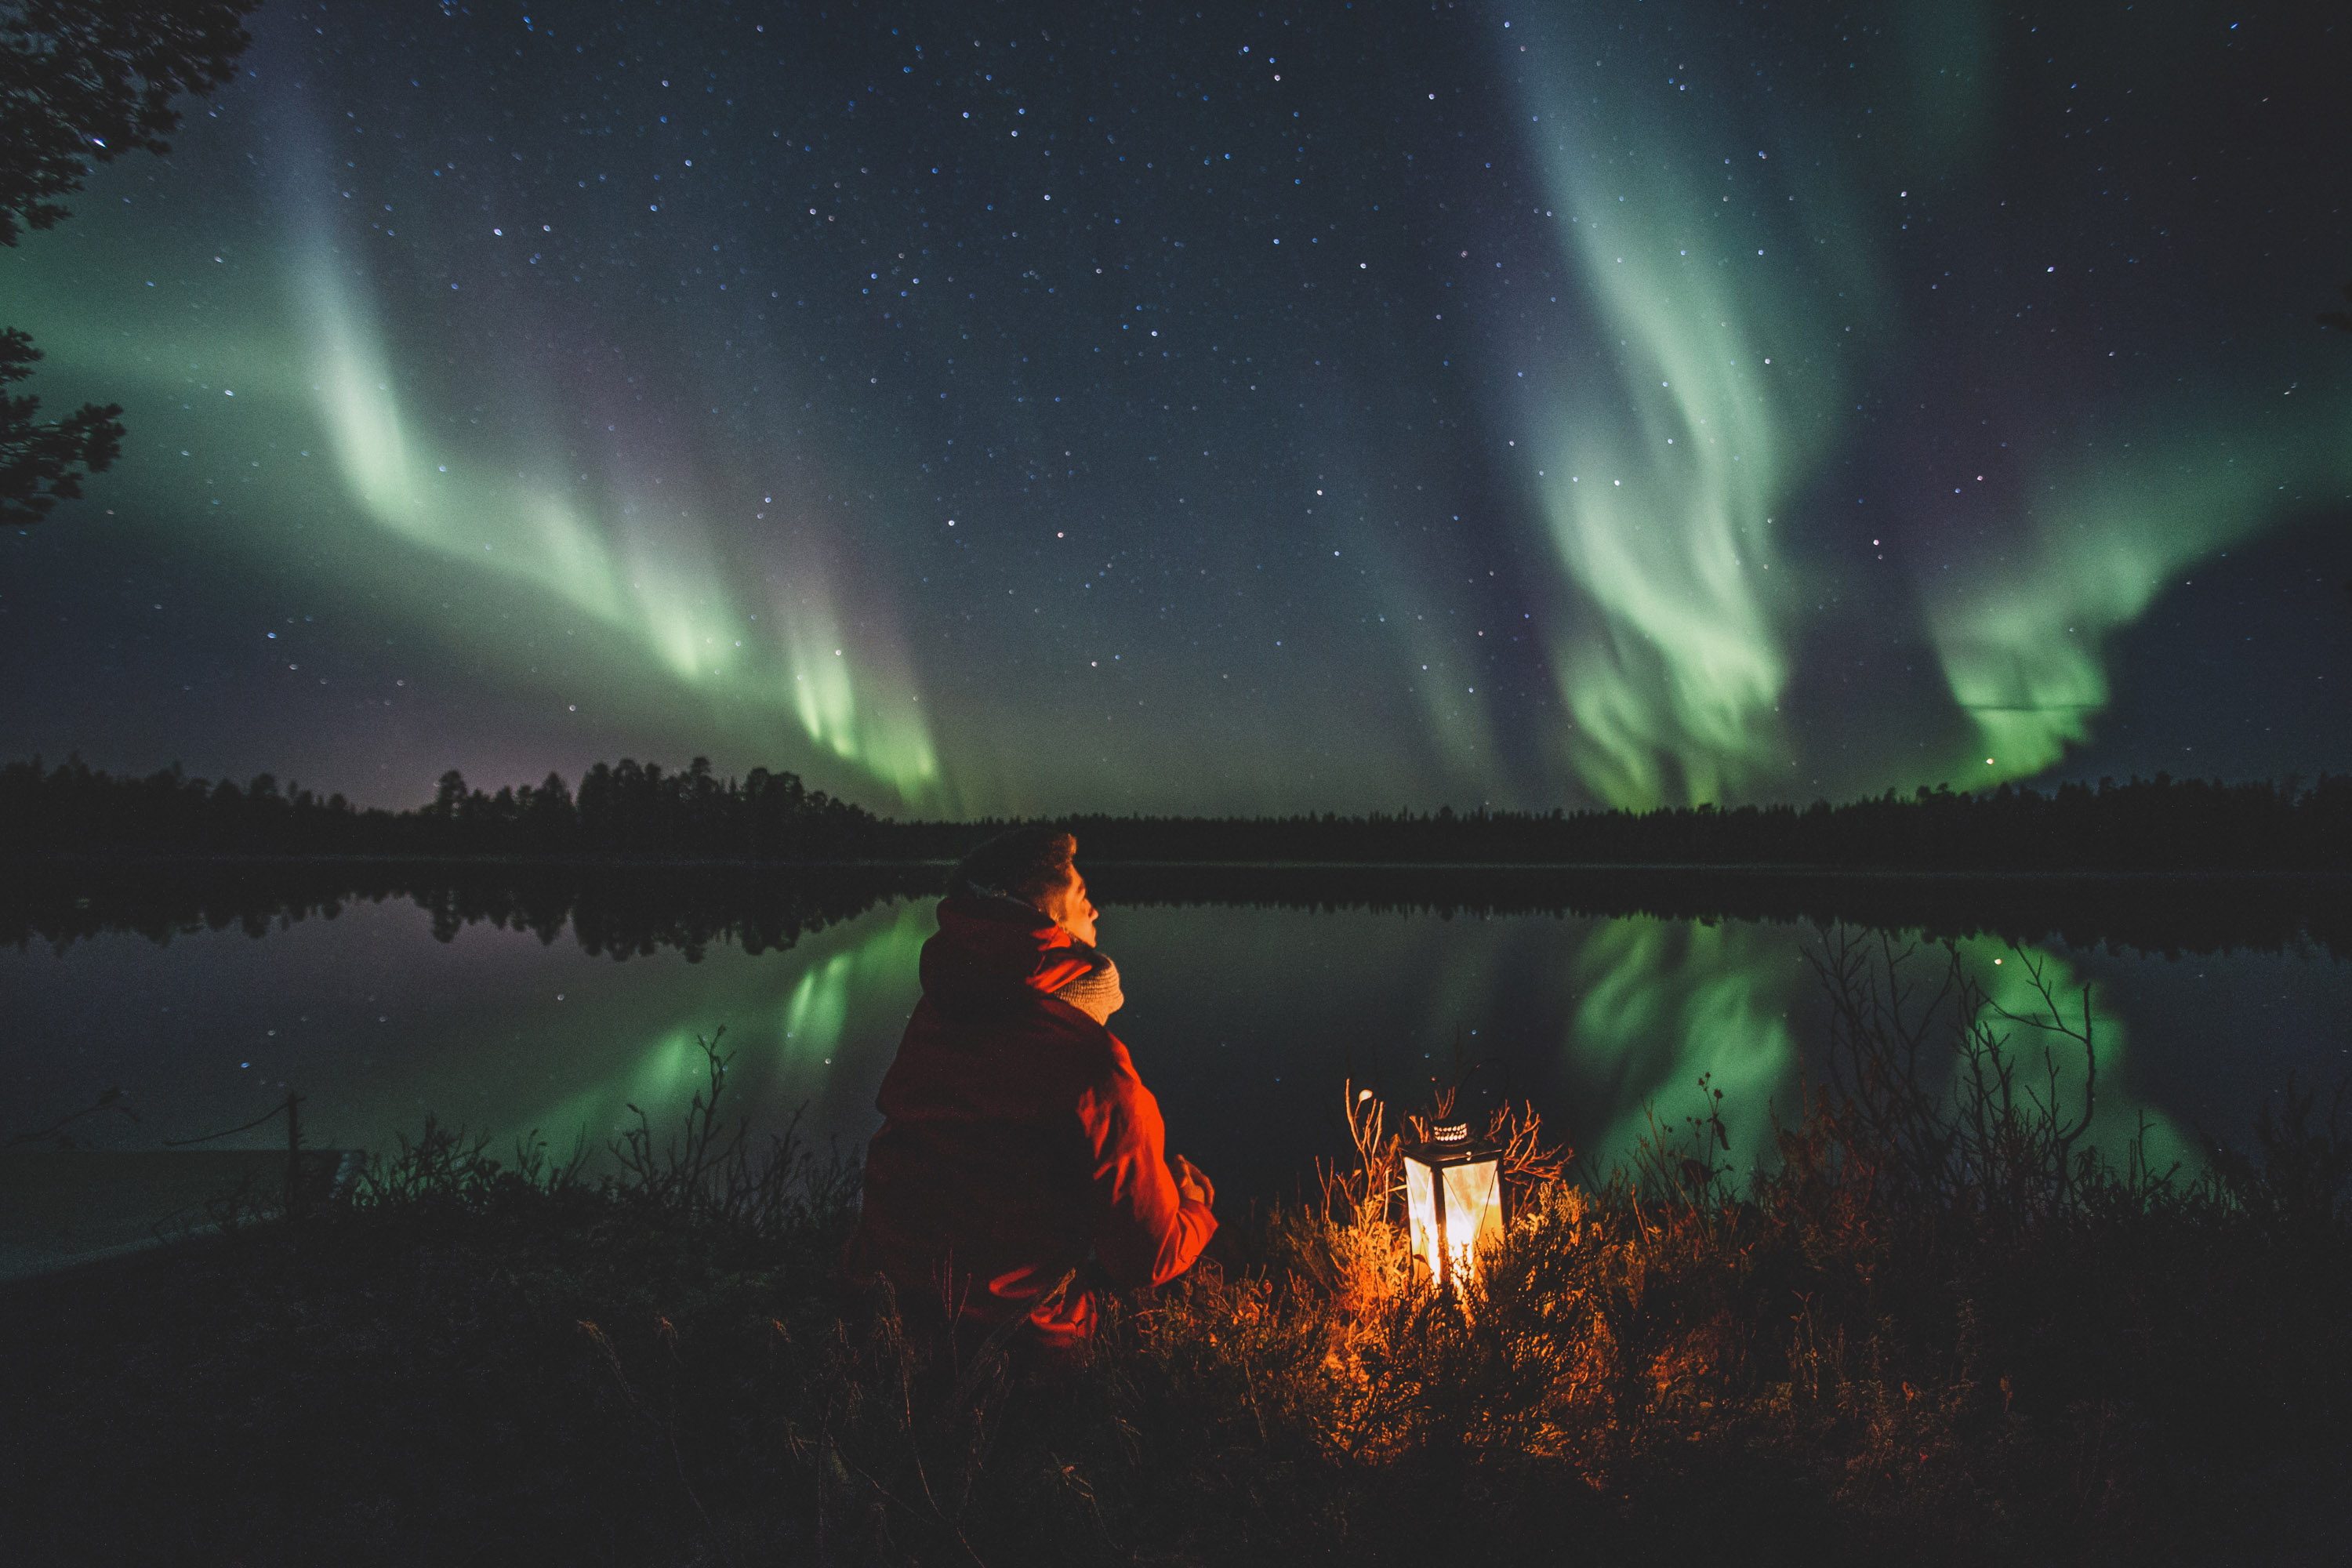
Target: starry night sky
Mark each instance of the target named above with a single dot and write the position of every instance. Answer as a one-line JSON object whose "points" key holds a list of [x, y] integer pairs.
{"points": [[1215, 410]]}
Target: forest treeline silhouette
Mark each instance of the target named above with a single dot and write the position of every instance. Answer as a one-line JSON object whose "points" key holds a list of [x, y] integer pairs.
{"points": [[630, 810]]}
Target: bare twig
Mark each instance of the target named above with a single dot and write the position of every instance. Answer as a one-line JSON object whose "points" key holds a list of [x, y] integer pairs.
{"points": [[109, 1098]]}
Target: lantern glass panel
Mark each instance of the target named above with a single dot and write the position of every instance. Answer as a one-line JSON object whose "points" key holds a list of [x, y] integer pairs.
{"points": [[1421, 1211], [1453, 1207], [1473, 1213]]}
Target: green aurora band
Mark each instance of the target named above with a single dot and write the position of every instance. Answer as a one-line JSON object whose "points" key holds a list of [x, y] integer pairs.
{"points": [[652, 570], [1671, 1002], [762, 634], [1666, 457], [2022, 634], [2050, 1068], [1665, 1004], [847, 995], [1661, 460]]}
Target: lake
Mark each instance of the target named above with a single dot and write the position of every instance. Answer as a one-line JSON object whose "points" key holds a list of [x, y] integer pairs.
{"points": [[492, 998]]}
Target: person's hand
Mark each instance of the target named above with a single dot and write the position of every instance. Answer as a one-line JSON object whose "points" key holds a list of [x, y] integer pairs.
{"points": [[1192, 1186]]}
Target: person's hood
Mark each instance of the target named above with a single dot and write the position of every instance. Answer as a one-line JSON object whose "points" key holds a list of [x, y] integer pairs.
{"points": [[990, 952]]}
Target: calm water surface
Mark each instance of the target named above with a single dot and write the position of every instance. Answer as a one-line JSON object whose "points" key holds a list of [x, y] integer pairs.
{"points": [[1246, 1021]]}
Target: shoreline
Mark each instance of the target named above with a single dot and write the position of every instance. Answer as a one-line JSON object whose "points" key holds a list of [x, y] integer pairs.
{"points": [[1776, 869]]}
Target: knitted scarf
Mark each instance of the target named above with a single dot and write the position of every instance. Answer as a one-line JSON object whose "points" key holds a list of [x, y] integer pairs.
{"points": [[1096, 993]]}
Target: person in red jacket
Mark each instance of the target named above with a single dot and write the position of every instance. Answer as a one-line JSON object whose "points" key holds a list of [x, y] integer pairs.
{"points": [[1021, 1162]]}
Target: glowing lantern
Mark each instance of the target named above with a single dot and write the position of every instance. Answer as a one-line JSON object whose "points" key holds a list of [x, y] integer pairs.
{"points": [[1453, 1199]]}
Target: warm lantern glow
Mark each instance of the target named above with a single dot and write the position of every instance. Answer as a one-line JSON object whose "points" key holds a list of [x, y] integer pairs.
{"points": [[1453, 1202]]}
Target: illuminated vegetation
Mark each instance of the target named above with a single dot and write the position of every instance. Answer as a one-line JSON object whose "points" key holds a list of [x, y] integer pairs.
{"points": [[1930, 1320]]}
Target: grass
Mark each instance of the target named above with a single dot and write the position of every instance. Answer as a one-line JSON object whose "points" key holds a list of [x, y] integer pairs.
{"points": [[1934, 1323]]}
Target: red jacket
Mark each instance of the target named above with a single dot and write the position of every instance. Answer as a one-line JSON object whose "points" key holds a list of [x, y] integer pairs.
{"points": [[1015, 1137]]}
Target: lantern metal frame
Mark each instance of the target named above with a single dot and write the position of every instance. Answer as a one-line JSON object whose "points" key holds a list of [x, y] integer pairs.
{"points": [[1448, 1148]]}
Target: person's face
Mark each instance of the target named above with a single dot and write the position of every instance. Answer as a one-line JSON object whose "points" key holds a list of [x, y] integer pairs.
{"points": [[1068, 907]]}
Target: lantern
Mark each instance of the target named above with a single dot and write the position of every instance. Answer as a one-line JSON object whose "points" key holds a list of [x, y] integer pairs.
{"points": [[1453, 1199]]}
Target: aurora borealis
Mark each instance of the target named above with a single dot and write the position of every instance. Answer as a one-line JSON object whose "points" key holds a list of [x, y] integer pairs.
{"points": [[1324, 409]]}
